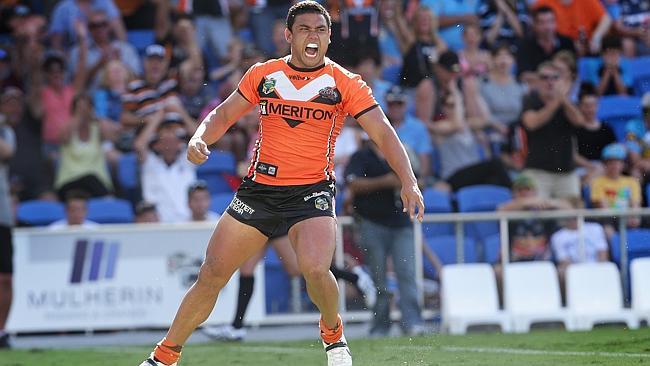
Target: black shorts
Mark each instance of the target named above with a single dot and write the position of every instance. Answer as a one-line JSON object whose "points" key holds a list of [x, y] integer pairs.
{"points": [[6, 250], [273, 210]]}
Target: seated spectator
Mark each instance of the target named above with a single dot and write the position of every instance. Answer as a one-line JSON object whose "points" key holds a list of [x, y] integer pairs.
{"points": [[146, 212], [166, 174], [474, 61], [503, 21], [502, 94], [367, 63], [631, 19], [193, 92], [68, 12], [82, 165], [566, 65], [103, 49], [615, 77], [542, 44], [198, 200], [586, 22], [592, 137], [453, 17], [27, 169], [615, 190], [76, 210], [638, 141], [566, 243]]}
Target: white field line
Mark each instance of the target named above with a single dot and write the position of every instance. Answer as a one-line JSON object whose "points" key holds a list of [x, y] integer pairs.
{"points": [[515, 351]]}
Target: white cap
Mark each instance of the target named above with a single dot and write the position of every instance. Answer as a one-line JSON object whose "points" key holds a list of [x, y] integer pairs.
{"points": [[645, 100]]}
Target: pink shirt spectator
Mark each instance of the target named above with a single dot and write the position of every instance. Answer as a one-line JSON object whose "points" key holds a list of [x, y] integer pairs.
{"points": [[56, 111]]}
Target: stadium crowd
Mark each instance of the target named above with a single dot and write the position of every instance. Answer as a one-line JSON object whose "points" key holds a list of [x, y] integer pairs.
{"points": [[499, 92]]}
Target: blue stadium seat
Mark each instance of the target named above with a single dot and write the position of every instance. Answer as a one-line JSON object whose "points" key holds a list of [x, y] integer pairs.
{"points": [[444, 246], [277, 284], [220, 202], [140, 39], [588, 69], [213, 171], [640, 69], [481, 198], [110, 211], [39, 213], [127, 171], [617, 110], [638, 245], [436, 201], [391, 73]]}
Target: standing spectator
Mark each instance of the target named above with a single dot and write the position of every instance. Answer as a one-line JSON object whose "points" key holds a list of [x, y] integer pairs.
{"points": [[146, 213], [27, 167], [615, 77], [566, 243], [549, 118], [474, 61], [178, 37], [103, 49], [424, 46], [68, 12], [392, 28], [213, 28], [502, 94], [593, 136], [541, 45], [503, 21], [453, 17], [199, 200], [384, 231], [355, 24], [7, 149], [632, 21], [82, 165], [586, 22], [613, 189], [410, 130], [262, 15], [165, 173], [76, 211]]}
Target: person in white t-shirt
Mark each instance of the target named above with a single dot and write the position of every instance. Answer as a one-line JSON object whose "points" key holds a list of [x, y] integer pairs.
{"points": [[76, 210], [566, 246], [199, 200]]}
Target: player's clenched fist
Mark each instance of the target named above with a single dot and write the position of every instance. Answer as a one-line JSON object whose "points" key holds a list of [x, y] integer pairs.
{"points": [[197, 151]]}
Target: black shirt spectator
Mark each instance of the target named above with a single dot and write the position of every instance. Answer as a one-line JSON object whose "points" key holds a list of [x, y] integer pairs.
{"points": [[492, 13], [591, 143]]}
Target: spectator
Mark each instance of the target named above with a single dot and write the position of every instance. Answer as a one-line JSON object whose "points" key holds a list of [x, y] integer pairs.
{"points": [[423, 45], [529, 238], [503, 21], [632, 21], [282, 47], [586, 22], [262, 16], [453, 17], [27, 167], [613, 189], [103, 49], [638, 141], [178, 38], [615, 77], [367, 63], [541, 45], [565, 63], [393, 25], [199, 200], [82, 165], [593, 136], [165, 173], [566, 243], [7, 76], [195, 94], [354, 25], [146, 213], [502, 94], [136, 14], [410, 130], [549, 118], [474, 61], [213, 27], [76, 210], [67, 12], [7, 149], [384, 231]]}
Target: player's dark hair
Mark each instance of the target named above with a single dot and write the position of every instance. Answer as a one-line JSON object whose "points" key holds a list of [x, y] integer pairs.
{"points": [[587, 89], [307, 7], [541, 10]]}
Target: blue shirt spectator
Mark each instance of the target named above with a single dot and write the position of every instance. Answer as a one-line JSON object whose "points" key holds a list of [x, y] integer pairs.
{"points": [[67, 12], [452, 16]]}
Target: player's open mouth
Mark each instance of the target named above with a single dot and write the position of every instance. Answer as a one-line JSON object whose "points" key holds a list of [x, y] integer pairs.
{"points": [[311, 50]]}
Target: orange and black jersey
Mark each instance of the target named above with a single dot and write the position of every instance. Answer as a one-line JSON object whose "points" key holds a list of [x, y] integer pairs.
{"points": [[301, 114]]}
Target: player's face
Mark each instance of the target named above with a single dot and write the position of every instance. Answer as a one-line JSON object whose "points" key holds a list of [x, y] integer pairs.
{"points": [[309, 39]]}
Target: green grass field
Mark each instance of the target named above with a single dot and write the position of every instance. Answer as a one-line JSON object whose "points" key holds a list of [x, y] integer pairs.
{"points": [[604, 346]]}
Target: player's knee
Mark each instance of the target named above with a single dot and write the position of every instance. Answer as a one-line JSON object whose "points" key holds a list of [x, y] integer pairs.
{"points": [[314, 271], [212, 275]]}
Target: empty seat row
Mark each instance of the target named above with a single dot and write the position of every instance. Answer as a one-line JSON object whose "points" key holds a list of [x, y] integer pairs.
{"points": [[532, 295], [106, 210]]}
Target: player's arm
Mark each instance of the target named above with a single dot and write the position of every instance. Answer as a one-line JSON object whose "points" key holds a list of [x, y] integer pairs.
{"points": [[215, 125], [376, 125]]}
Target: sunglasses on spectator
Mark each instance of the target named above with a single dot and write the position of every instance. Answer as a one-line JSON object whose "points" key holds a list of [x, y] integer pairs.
{"points": [[547, 77]]}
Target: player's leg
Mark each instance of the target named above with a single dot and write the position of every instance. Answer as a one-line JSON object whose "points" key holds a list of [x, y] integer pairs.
{"points": [[224, 255], [284, 250]]}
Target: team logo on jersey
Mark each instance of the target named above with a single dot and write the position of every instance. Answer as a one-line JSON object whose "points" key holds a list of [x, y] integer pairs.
{"points": [[269, 86], [331, 94], [321, 203]]}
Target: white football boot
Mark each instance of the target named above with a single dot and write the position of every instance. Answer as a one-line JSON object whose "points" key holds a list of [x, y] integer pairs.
{"points": [[151, 362], [338, 353]]}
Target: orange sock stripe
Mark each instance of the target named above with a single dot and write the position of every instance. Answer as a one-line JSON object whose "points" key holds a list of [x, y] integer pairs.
{"points": [[331, 335], [167, 352]]}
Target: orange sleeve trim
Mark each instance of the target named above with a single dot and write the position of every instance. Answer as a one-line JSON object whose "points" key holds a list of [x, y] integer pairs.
{"points": [[243, 96], [356, 116]]}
